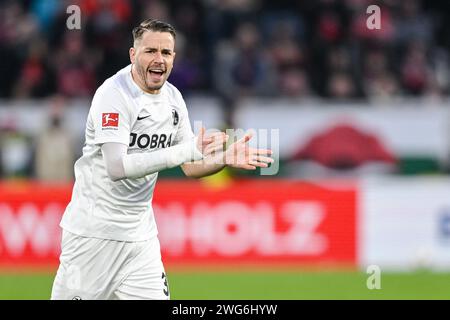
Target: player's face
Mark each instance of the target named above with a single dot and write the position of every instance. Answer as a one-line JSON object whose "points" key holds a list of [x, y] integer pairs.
{"points": [[152, 58]]}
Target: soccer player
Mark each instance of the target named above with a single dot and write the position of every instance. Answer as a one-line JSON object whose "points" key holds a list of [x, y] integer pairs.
{"points": [[137, 125]]}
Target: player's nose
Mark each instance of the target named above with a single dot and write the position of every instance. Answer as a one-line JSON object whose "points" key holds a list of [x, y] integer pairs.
{"points": [[158, 57]]}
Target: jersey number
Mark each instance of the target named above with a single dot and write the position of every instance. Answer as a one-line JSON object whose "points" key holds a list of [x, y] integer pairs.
{"points": [[166, 289]]}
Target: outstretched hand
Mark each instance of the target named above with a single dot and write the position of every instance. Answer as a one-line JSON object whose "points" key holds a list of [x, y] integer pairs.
{"points": [[241, 155]]}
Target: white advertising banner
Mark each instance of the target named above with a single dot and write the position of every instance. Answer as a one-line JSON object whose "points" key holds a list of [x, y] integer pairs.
{"points": [[32, 116], [405, 130], [405, 223]]}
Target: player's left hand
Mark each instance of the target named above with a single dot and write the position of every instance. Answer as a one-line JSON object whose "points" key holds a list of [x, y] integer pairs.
{"points": [[209, 143], [216, 143], [241, 155]]}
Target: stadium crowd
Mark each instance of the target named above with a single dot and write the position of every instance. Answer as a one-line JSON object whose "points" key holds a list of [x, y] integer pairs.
{"points": [[232, 48]]}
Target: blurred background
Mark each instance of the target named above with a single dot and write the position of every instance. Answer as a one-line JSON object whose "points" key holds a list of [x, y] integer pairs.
{"points": [[362, 146]]}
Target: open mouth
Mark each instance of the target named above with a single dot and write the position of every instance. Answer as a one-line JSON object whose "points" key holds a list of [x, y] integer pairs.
{"points": [[156, 74]]}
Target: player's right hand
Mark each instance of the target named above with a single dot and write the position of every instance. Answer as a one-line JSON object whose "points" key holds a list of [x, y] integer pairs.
{"points": [[211, 143]]}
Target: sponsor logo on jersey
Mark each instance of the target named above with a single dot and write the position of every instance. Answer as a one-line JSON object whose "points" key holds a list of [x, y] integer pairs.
{"points": [[175, 117], [143, 117], [110, 120], [151, 141]]}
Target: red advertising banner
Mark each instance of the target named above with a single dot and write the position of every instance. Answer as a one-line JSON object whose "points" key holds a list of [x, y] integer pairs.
{"points": [[257, 222], [29, 223], [252, 221]]}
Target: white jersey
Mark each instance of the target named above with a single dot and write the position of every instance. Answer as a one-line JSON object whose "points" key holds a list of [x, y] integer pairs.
{"points": [[121, 112]]}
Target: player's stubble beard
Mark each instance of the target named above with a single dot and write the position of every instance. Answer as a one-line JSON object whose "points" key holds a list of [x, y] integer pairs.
{"points": [[143, 75]]}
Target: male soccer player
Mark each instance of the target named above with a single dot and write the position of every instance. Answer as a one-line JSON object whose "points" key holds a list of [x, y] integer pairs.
{"points": [[137, 126]]}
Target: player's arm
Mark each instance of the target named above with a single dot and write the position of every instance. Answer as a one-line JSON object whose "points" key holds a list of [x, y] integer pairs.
{"points": [[120, 165], [200, 169], [238, 155]]}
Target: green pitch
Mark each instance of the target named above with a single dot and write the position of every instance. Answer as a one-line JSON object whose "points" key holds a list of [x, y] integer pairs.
{"points": [[263, 285]]}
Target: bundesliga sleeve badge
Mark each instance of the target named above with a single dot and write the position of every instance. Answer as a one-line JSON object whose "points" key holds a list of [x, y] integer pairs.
{"points": [[110, 120]]}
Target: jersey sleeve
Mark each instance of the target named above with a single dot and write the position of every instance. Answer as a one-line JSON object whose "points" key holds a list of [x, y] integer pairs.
{"points": [[184, 132], [111, 117]]}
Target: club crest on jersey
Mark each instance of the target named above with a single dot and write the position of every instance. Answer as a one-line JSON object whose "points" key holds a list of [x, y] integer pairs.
{"points": [[175, 117], [110, 120]]}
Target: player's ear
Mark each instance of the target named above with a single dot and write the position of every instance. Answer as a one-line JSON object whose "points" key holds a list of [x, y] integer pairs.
{"points": [[132, 52]]}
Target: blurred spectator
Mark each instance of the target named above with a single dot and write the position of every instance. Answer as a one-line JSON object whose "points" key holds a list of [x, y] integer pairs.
{"points": [[285, 24], [382, 87], [410, 24], [289, 60], [105, 21], [18, 26], [339, 60], [294, 84], [155, 9], [16, 153], [376, 63], [341, 86], [441, 70], [107, 13], [329, 27], [36, 78], [242, 68], [45, 12], [378, 82], [74, 65], [54, 150], [415, 71], [186, 74], [229, 14]]}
